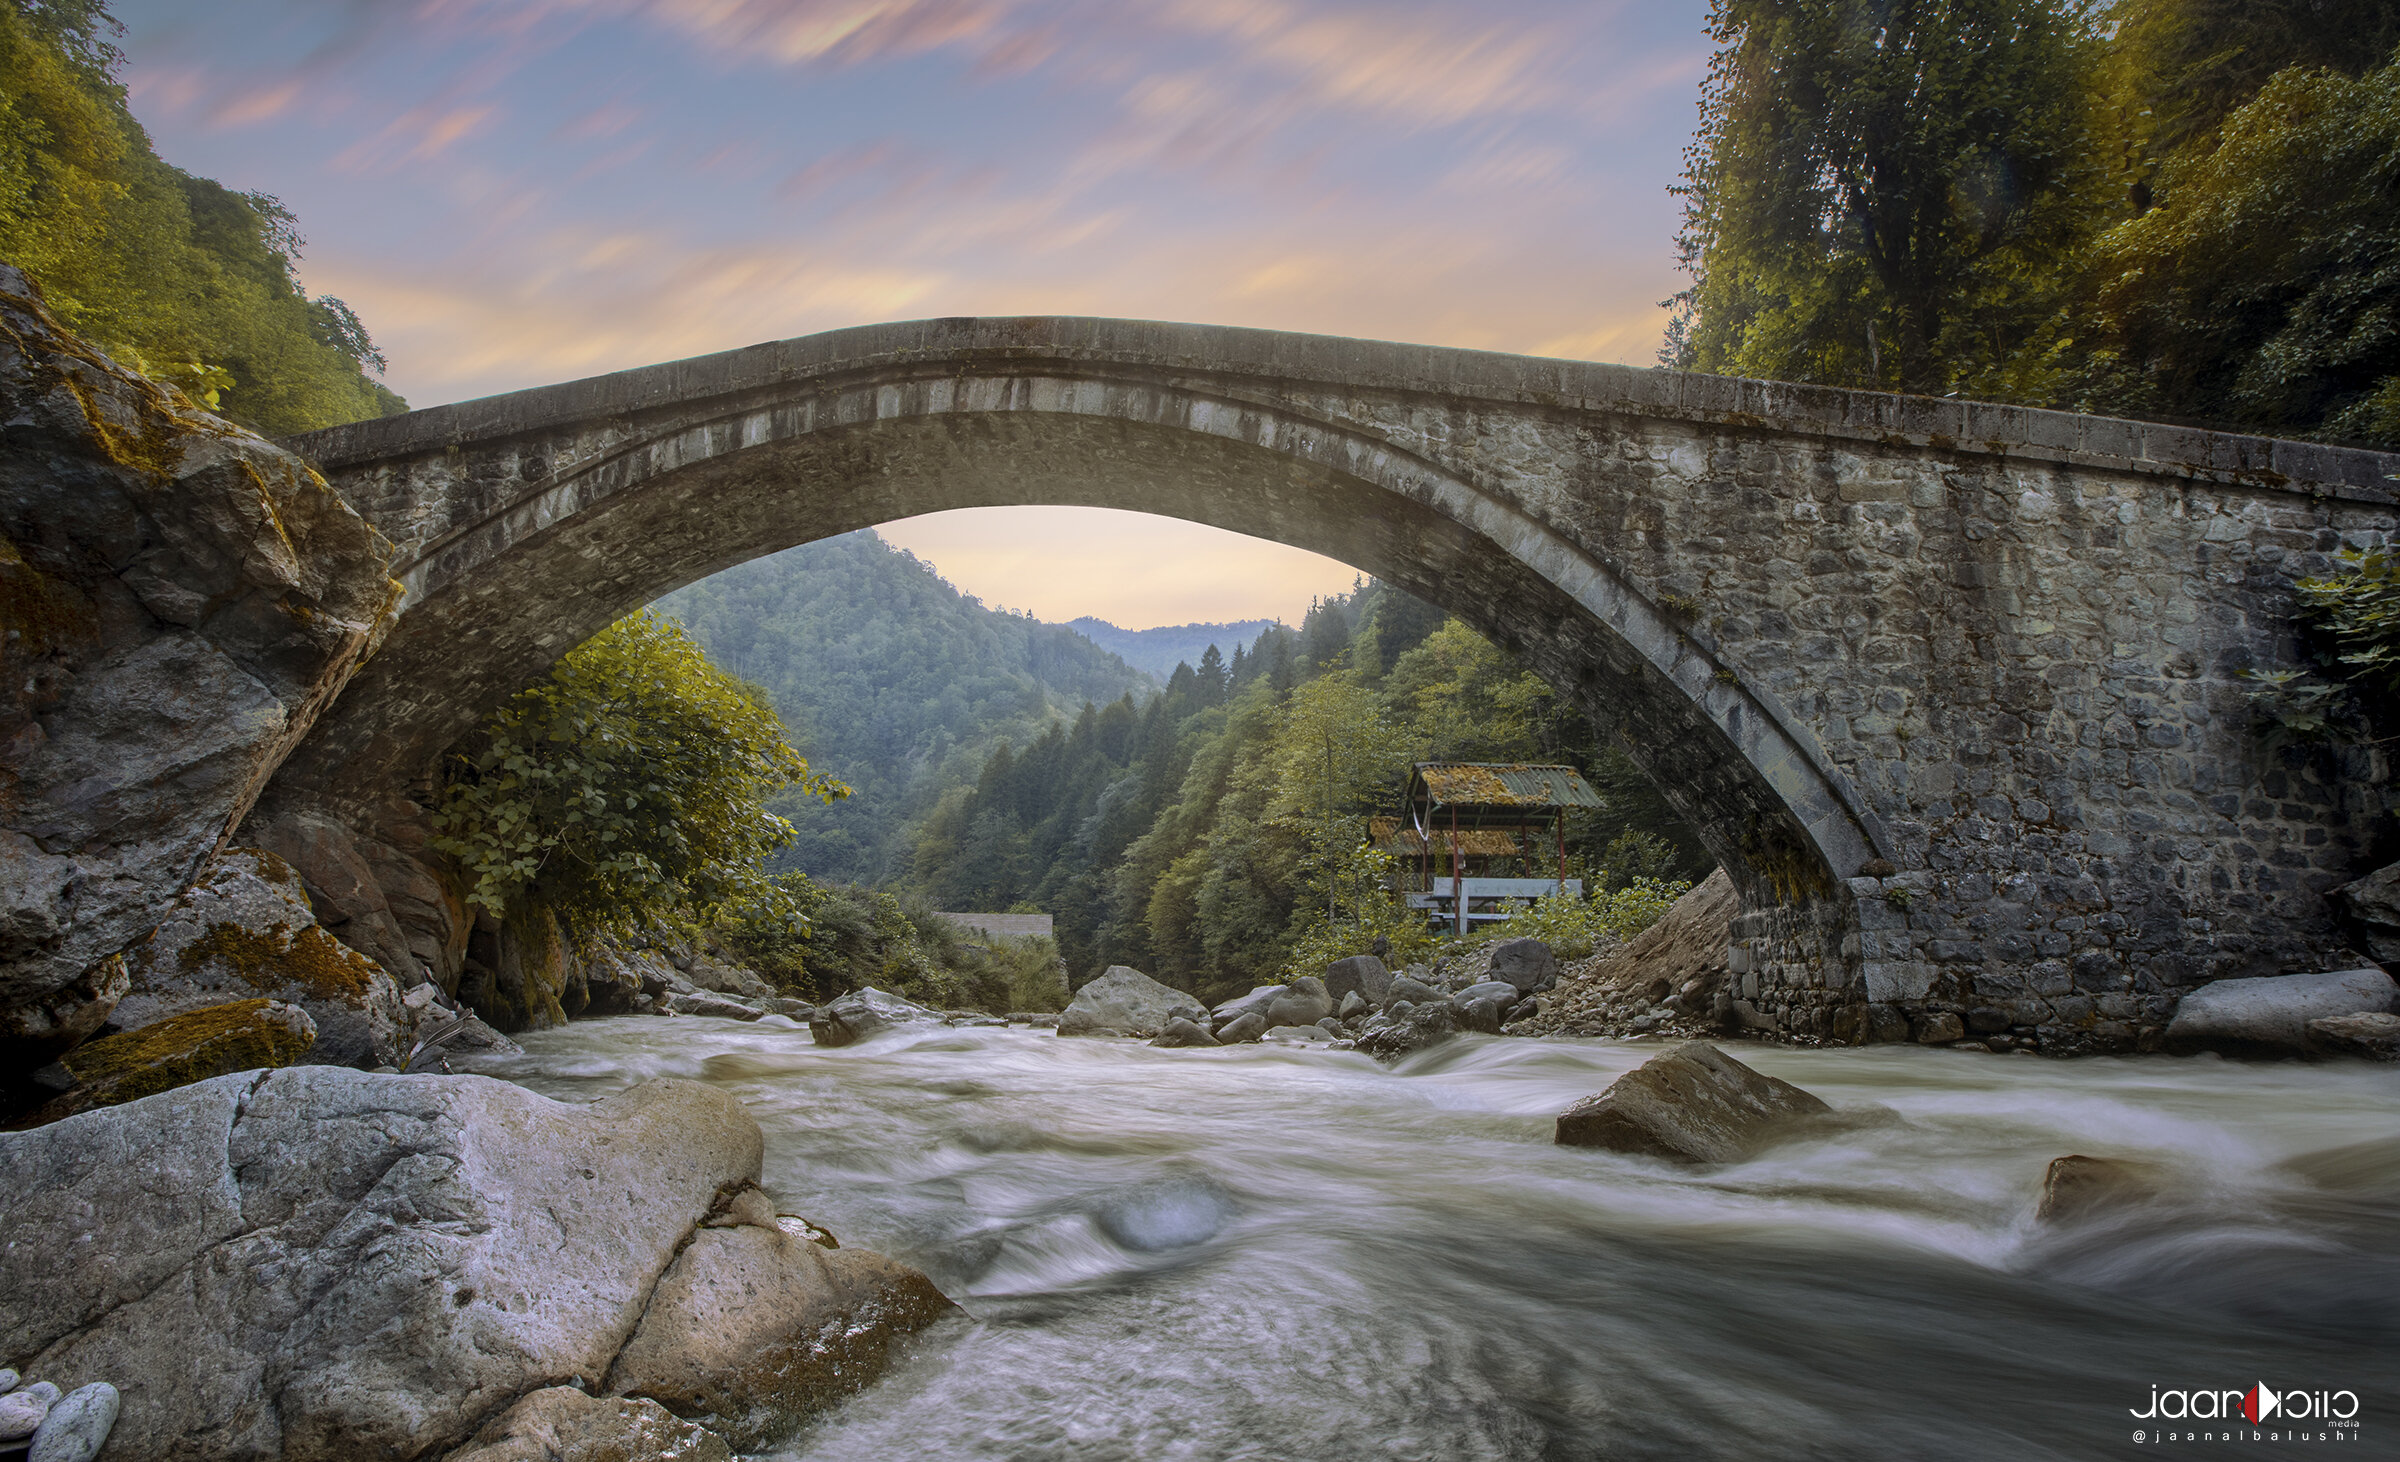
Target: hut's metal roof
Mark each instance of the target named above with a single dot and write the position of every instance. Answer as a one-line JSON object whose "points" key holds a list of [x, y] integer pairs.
{"points": [[1501, 784], [1390, 835]]}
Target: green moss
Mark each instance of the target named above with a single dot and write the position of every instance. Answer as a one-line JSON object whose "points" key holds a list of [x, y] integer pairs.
{"points": [[43, 614], [276, 958], [265, 864], [1791, 870], [182, 1049]]}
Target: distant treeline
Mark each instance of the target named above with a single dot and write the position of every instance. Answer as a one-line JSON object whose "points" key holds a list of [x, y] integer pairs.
{"points": [[174, 275], [890, 679], [1199, 836], [2186, 209]]}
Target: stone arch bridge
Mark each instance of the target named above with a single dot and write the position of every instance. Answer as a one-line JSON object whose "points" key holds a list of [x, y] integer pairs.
{"points": [[1951, 689]]}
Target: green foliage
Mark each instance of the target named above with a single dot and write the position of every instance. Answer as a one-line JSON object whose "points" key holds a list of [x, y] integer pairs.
{"points": [[2263, 290], [2186, 209], [1373, 921], [2178, 68], [2359, 612], [2354, 616], [179, 275], [1575, 927], [1884, 192], [892, 680], [765, 926], [862, 936], [629, 784], [1035, 977], [1215, 836], [1637, 853]]}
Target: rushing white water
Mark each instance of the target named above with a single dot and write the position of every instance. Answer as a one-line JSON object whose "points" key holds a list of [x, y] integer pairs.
{"points": [[1262, 1252]]}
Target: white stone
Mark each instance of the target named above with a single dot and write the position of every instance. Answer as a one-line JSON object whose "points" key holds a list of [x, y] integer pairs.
{"points": [[2271, 1014], [1125, 1002], [318, 1264]]}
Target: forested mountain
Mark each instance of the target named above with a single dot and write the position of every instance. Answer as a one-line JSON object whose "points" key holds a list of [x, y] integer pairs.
{"points": [[1197, 837], [2186, 209], [891, 681], [1160, 650], [177, 276]]}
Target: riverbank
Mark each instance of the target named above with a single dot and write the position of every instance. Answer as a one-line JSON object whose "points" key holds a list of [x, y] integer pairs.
{"points": [[1269, 1251]]}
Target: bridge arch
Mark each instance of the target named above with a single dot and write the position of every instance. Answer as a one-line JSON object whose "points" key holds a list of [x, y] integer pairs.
{"points": [[586, 544], [1768, 589]]}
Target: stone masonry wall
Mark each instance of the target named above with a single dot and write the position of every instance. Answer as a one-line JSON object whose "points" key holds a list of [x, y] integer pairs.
{"points": [[1954, 690]]}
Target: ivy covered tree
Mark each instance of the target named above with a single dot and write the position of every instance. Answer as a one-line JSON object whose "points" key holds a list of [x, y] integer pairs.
{"points": [[2166, 208], [2178, 68], [1885, 193], [2262, 291], [629, 786]]}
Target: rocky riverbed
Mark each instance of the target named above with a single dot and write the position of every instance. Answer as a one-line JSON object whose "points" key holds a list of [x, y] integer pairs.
{"points": [[1270, 1250]]}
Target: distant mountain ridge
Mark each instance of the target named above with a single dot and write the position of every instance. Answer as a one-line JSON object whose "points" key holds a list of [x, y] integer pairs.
{"points": [[1160, 650], [892, 680]]}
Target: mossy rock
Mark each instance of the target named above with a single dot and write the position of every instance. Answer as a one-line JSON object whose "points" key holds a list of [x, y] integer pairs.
{"points": [[245, 930], [243, 1035], [279, 955]]}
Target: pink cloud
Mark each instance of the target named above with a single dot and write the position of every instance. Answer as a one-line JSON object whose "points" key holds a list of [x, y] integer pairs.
{"points": [[420, 134], [599, 124]]}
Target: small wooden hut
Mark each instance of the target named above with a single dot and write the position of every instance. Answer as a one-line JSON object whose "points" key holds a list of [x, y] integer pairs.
{"points": [[1475, 837]]}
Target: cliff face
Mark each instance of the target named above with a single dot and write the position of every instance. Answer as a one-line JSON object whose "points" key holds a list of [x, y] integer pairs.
{"points": [[179, 598]]}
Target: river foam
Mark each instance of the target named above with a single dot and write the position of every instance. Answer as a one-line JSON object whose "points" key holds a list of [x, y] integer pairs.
{"points": [[1266, 1252]]}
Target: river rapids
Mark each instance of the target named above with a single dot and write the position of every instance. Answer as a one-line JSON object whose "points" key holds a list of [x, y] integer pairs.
{"points": [[1275, 1253]]}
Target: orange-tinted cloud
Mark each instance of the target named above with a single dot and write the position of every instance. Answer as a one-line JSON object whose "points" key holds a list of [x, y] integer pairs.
{"points": [[1131, 569], [420, 134], [241, 109]]}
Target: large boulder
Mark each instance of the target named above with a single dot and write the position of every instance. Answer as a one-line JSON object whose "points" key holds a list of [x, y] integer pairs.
{"points": [[345, 890], [2077, 1187], [563, 1424], [756, 1324], [1398, 1033], [2269, 1016], [1527, 964], [618, 981], [723, 1007], [1694, 1103], [1362, 974], [2373, 1035], [245, 1035], [1125, 1002], [1304, 1001], [182, 598], [1248, 1026], [1182, 1032], [725, 977], [1412, 990], [319, 1263], [1487, 990], [2372, 907], [864, 1013], [1241, 1005], [375, 879], [245, 930], [518, 971], [324, 1264]]}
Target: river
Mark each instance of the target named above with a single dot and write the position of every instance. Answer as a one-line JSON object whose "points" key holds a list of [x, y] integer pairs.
{"points": [[1261, 1252]]}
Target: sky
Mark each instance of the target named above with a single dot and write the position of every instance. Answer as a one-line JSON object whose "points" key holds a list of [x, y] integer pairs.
{"points": [[516, 192]]}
